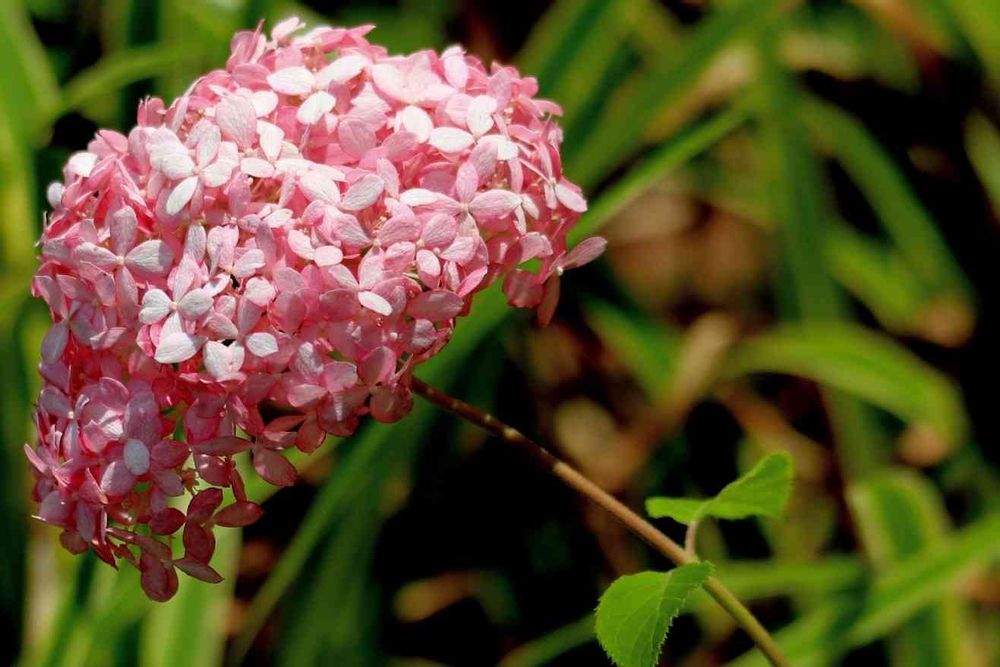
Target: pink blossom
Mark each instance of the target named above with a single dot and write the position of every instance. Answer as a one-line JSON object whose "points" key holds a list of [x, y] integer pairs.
{"points": [[297, 232]]}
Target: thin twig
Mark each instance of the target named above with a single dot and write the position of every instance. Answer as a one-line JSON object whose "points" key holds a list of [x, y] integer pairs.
{"points": [[691, 539], [642, 528]]}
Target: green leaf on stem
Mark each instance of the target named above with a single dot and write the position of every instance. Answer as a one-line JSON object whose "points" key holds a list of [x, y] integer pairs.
{"points": [[763, 491], [636, 611]]}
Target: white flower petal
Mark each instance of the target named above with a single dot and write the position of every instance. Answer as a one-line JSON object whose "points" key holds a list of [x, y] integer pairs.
{"points": [[262, 344], [291, 81], [181, 195], [313, 109], [363, 193], [450, 139], [178, 347]]}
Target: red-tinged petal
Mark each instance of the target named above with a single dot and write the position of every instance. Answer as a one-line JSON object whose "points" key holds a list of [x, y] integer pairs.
{"points": [[238, 515], [199, 542], [274, 468], [203, 504], [159, 582], [436, 305], [73, 543], [117, 479], [198, 570], [169, 453], [166, 522], [227, 445], [585, 252]]}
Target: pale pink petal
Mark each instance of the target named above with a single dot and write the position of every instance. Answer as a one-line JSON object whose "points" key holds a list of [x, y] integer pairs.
{"points": [[95, 254], [416, 120], [291, 81], [342, 69], [363, 193], [328, 255], [256, 167], [262, 344], [450, 139], [374, 302], [217, 173], [419, 197], [181, 195], [136, 457], [315, 107], [178, 347], [194, 304], [570, 198], [150, 257], [155, 306], [479, 117], [237, 119], [494, 204]]}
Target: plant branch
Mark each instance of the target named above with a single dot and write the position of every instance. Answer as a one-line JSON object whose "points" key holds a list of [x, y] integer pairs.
{"points": [[635, 523]]}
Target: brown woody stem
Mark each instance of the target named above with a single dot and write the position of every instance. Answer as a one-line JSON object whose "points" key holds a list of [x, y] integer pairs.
{"points": [[635, 523]]}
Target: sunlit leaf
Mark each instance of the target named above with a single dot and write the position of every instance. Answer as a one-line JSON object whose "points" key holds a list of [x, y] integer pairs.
{"points": [[636, 611], [763, 491]]}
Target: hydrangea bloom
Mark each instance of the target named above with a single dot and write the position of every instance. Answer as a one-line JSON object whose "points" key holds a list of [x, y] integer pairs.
{"points": [[263, 263]]}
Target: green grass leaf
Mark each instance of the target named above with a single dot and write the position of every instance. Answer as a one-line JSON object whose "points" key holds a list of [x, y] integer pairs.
{"points": [[904, 217], [861, 363], [982, 143], [902, 591], [763, 491], [636, 611], [626, 119], [899, 513], [666, 158]]}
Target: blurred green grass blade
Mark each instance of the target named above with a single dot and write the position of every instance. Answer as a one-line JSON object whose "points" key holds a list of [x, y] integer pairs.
{"points": [[624, 123], [899, 513], [19, 223], [30, 86], [982, 143], [901, 213], [862, 363], [15, 406], [339, 581], [191, 628], [648, 349], [545, 649], [115, 71], [980, 22], [548, 53], [370, 456], [909, 586], [673, 153], [878, 277], [805, 289]]}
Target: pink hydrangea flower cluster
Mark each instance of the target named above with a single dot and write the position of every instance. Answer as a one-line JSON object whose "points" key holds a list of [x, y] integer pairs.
{"points": [[266, 261]]}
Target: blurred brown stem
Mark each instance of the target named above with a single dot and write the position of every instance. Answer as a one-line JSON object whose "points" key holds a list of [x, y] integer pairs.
{"points": [[635, 523]]}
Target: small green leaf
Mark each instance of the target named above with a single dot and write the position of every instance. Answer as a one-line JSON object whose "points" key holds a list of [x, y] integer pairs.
{"points": [[761, 492], [682, 510], [636, 611]]}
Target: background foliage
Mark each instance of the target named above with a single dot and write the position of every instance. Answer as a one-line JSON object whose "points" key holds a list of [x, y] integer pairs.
{"points": [[802, 202]]}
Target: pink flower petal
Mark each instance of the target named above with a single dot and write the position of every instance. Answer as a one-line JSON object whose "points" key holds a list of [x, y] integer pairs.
{"points": [[436, 305], [274, 468]]}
